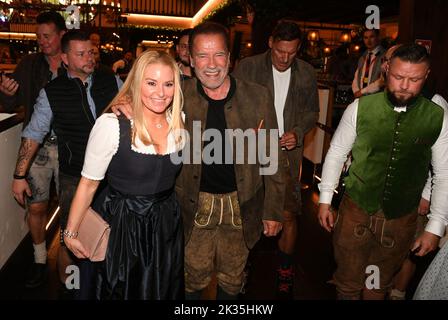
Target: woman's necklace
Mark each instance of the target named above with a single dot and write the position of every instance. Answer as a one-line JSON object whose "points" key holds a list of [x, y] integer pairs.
{"points": [[158, 123]]}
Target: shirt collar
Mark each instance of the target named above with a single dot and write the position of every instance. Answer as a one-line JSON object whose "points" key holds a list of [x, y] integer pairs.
{"points": [[51, 75], [287, 71], [230, 94], [88, 81], [376, 50]]}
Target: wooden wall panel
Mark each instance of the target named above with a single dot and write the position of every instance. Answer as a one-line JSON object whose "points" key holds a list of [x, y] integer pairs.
{"points": [[186, 8], [427, 20]]}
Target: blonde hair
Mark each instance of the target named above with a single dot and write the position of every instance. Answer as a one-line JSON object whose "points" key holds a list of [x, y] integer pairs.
{"points": [[131, 91]]}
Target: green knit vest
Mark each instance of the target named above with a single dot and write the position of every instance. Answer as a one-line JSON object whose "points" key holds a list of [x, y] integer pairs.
{"points": [[392, 154]]}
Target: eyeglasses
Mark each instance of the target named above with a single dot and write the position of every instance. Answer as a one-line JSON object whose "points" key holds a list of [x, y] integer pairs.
{"points": [[183, 46]]}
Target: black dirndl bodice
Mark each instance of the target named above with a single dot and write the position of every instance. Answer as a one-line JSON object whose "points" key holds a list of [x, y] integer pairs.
{"points": [[144, 259]]}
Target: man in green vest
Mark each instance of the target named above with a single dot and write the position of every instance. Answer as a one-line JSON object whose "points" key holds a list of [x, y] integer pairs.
{"points": [[69, 104], [394, 137]]}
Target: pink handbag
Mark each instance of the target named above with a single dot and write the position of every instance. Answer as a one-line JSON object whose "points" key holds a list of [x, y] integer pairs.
{"points": [[93, 233]]}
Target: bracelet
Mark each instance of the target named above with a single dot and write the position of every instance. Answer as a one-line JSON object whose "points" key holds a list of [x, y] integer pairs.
{"points": [[70, 234], [19, 177]]}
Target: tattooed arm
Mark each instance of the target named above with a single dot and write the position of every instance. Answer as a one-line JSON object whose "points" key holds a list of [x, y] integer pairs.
{"points": [[27, 151], [32, 136]]}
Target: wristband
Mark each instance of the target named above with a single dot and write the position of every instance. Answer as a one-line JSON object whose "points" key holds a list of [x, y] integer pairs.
{"points": [[70, 234], [19, 177]]}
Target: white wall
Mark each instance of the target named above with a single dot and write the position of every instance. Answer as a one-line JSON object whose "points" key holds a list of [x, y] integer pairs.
{"points": [[12, 223], [314, 140]]}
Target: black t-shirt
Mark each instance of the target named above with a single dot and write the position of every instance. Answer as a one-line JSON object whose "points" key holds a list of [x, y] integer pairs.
{"points": [[217, 177]]}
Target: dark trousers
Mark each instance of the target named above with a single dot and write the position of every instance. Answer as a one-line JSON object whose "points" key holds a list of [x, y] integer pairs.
{"points": [[88, 276]]}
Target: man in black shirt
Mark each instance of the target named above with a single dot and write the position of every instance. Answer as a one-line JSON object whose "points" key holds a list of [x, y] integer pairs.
{"points": [[226, 204]]}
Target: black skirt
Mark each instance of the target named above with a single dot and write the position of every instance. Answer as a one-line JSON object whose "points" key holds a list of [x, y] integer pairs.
{"points": [[144, 258]]}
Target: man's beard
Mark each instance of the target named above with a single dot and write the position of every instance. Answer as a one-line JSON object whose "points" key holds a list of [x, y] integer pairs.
{"points": [[397, 102]]}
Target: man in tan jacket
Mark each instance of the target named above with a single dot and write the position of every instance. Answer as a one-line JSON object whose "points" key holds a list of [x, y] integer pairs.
{"points": [[292, 83], [226, 205]]}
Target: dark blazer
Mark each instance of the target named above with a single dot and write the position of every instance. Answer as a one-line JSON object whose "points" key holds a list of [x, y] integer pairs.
{"points": [[261, 197], [376, 73], [302, 103]]}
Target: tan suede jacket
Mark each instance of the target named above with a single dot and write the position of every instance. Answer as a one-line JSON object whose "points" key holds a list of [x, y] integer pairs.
{"points": [[261, 197], [302, 103]]}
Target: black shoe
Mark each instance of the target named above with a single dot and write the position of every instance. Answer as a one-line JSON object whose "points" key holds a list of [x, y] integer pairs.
{"points": [[36, 276], [195, 295], [222, 295], [285, 284]]}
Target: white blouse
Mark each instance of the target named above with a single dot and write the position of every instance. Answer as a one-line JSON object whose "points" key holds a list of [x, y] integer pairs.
{"points": [[103, 145]]}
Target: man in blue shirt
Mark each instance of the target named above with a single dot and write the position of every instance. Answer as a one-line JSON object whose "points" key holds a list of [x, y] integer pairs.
{"points": [[70, 104]]}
